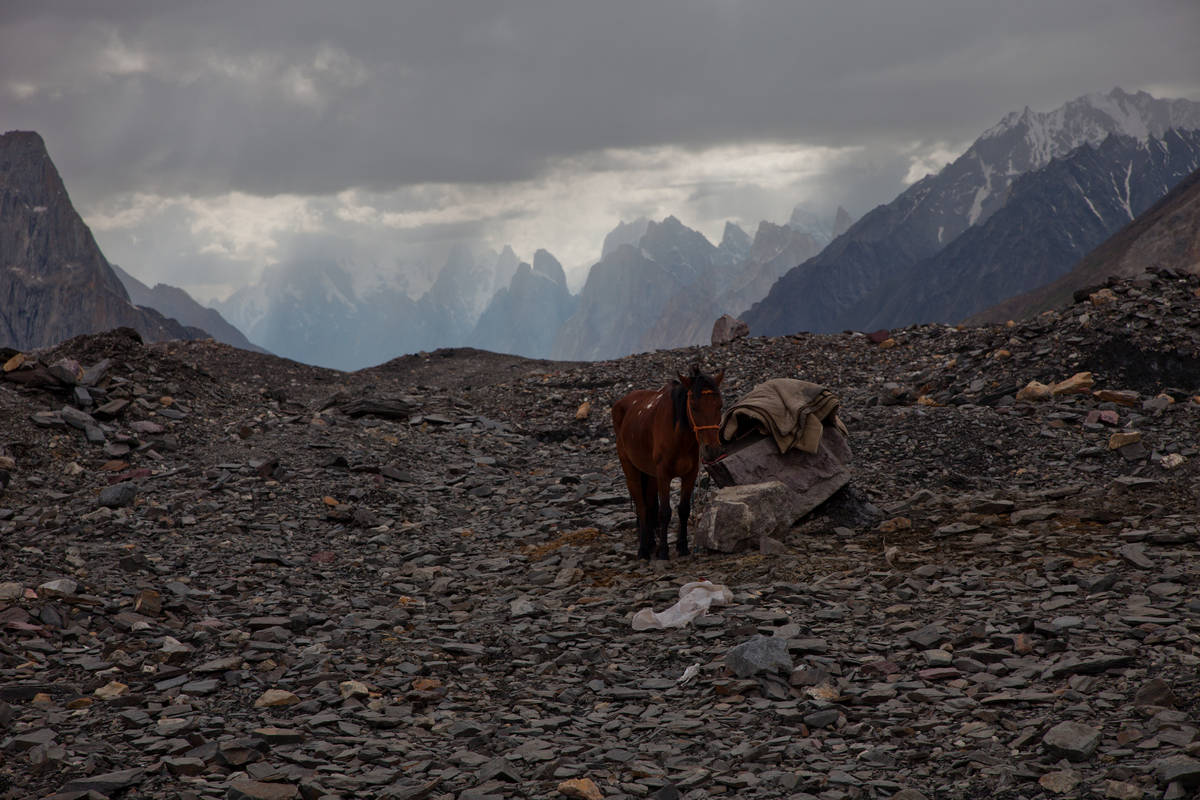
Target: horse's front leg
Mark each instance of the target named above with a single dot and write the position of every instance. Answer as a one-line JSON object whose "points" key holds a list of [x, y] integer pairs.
{"points": [[664, 515], [649, 519], [686, 484]]}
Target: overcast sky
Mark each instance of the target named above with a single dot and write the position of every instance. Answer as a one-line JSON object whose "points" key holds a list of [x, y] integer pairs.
{"points": [[202, 141]]}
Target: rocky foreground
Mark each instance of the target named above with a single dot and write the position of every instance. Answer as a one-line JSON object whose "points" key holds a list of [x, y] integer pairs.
{"points": [[225, 575]]}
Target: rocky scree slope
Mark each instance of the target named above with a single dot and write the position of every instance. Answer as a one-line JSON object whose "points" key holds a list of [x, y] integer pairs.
{"points": [[252, 578]]}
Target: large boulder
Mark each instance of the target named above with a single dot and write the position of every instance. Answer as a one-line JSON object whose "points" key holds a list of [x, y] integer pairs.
{"points": [[726, 329], [739, 517], [764, 492], [812, 478]]}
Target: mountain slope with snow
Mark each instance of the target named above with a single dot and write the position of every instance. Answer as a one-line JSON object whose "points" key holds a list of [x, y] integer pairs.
{"points": [[831, 291], [1052, 218]]}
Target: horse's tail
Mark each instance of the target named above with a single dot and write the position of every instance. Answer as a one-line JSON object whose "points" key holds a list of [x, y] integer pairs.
{"points": [[618, 415]]}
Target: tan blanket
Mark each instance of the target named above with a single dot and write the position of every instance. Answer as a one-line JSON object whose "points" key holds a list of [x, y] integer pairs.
{"points": [[792, 412]]}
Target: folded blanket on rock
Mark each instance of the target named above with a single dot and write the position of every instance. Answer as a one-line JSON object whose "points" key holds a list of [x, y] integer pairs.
{"points": [[792, 412]]}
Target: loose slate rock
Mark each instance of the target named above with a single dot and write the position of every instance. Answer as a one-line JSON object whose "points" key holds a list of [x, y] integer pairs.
{"points": [[1155, 692], [426, 597], [760, 654], [119, 495], [1178, 769], [1060, 781], [1072, 740], [929, 636], [580, 789], [61, 587], [261, 790], [107, 784], [272, 698]]}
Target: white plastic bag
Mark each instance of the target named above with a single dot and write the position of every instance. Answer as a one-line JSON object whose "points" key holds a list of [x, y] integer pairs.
{"points": [[694, 600]]}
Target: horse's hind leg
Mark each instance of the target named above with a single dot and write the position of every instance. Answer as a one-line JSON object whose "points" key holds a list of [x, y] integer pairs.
{"points": [[686, 484], [664, 516], [635, 482]]}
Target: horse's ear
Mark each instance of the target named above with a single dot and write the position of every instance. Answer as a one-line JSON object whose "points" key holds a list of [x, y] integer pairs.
{"points": [[720, 376], [687, 382]]}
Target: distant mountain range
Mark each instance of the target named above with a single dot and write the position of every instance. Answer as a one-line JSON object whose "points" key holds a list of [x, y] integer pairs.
{"points": [[313, 311], [54, 281], [1025, 202], [842, 287], [669, 289], [657, 285]]}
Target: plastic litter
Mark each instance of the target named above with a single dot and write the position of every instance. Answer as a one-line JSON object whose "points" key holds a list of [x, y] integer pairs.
{"points": [[688, 674], [695, 598]]}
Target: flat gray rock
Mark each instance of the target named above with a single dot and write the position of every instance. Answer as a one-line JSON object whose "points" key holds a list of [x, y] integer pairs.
{"points": [[760, 654], [107, 783], [119, 495], [1072, 740]]}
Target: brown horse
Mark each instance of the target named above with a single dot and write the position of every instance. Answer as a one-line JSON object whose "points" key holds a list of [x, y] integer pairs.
{"points": [[663, 435]]}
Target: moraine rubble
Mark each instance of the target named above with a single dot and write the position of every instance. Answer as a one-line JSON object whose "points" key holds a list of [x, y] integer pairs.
{"points": [[226, 575]]}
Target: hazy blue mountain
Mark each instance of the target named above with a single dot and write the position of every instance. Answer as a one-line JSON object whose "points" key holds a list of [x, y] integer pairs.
{"points": [[624, 293], [624, 233], [313, 311], [304, 310], [773, 252], [815, 225], [736, 241], [173, 302], [524, 317], [841, 221], [668, 290], [831, 291], [660, 294]]}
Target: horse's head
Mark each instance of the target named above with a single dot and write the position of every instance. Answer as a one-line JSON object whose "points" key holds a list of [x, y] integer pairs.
{"points": [[704, 409]]}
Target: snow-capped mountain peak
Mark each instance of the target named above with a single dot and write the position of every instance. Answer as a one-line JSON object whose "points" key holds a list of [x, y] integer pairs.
{"points": [[936, 210], [1089, 120]]}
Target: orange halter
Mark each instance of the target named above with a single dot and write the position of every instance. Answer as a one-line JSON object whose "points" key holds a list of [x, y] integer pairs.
{"points": [[692, 417]]}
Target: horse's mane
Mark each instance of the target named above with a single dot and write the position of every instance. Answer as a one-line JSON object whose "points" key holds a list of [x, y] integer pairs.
{"points": [[679, 394]]}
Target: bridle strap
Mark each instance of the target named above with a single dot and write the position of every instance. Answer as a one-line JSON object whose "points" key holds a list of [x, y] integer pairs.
{"points": [[692, 420]]}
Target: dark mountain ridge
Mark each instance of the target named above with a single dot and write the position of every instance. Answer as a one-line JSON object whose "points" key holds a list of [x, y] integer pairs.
{"points": [[176, 303], [1166, 235], [54, 281]]}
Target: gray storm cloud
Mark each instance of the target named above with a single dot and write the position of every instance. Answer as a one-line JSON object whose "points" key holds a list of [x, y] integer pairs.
{"points": [[309, 98], [200, 139]]}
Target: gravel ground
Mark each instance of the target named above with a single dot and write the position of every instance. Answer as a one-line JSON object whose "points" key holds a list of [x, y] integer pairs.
{"points": [[217, 580]]}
